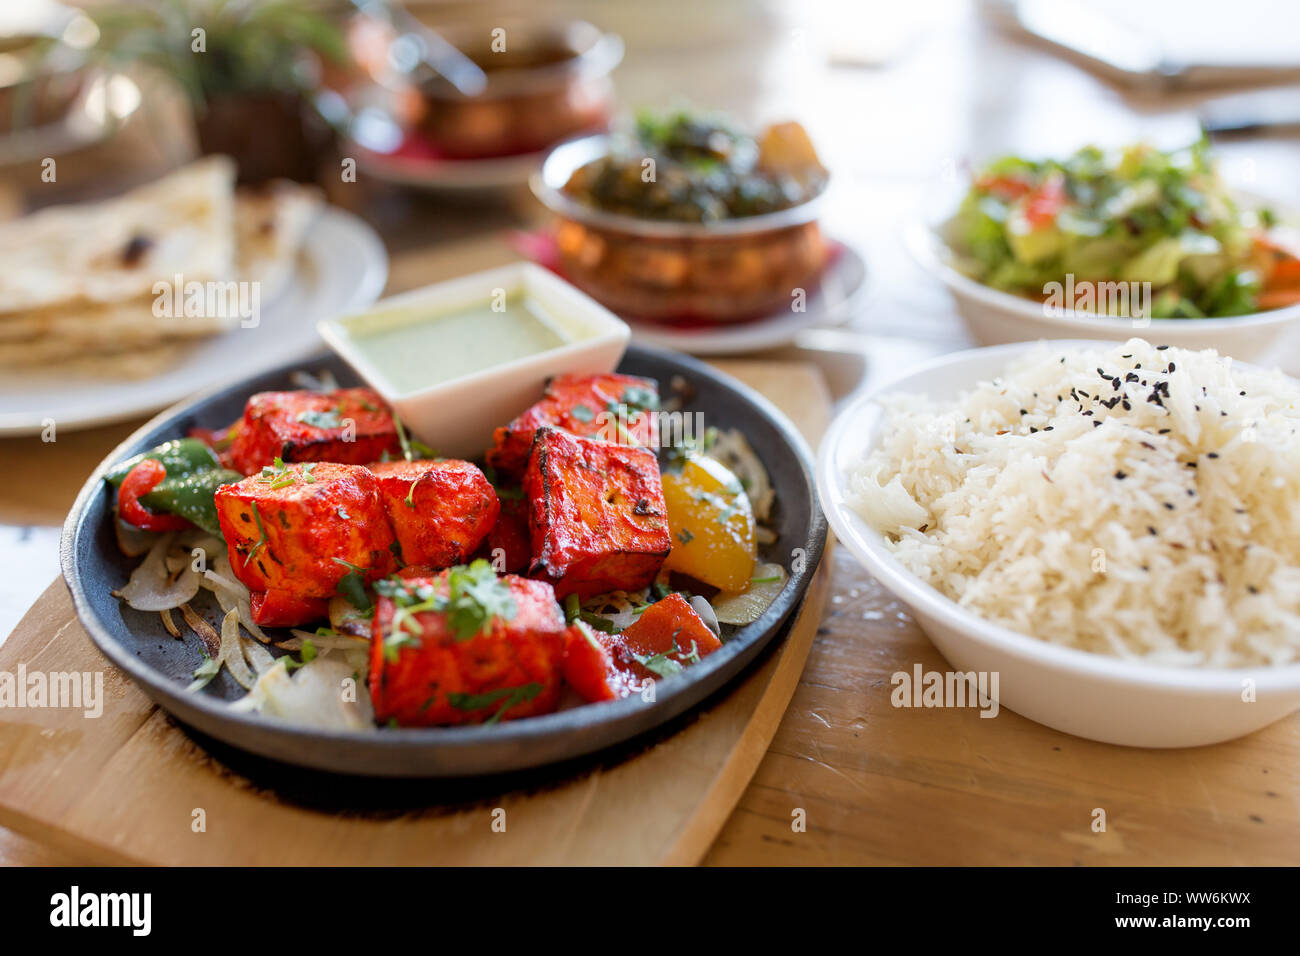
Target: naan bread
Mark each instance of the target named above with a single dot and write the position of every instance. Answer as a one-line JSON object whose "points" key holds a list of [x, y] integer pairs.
{"points": [[270, 226], [116, 249], [263, 229]]}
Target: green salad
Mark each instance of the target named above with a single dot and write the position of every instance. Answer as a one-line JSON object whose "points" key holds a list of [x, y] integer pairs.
{"points": [[1137, 215]]}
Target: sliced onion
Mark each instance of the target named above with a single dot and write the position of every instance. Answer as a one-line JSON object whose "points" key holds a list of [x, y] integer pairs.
{"points": [[733, 451], [232, 653], [198, 538], [221, 582], [705, 610], [133, 541], [206, 632], [150, 587], [232, 595], [746, 607], [620, 608], [312, 696], [168, 623], [256, 655]]}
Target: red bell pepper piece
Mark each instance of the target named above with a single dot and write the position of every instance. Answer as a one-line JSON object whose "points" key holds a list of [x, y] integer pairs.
{"points": [[139, 481]]}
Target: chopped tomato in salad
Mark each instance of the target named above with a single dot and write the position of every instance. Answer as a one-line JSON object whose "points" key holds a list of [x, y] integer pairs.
{"points": [[1138, 215]]}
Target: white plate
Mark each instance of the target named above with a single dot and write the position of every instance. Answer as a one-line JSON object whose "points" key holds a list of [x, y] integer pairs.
{"points": [[1089, 695], [836, 297], [995, 317], [342, 268]]}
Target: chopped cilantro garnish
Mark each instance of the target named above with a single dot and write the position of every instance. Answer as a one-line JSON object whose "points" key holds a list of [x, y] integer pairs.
{"points": [[326, 418], [510, 696], [637, 398], [476, 598], [352, 586], [685, 536], [394, 643], [582, 413], [205, 672], [257, 516], [472, 598], [660, 663], [598, 622], [664, 665], [412, 448]]}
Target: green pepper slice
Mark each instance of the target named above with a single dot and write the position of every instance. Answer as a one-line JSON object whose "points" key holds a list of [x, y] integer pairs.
{"points": [[192, 496], [181, 457]]}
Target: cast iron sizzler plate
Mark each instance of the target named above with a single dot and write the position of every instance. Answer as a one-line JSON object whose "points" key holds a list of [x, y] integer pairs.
{"points": [[162, 666]]}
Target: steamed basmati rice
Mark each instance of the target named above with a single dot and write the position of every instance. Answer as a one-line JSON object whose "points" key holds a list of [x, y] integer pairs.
{"points": [[1136, 501]]}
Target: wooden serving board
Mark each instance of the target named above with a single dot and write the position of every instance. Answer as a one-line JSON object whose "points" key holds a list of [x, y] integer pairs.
{"points": [[132, 787]]}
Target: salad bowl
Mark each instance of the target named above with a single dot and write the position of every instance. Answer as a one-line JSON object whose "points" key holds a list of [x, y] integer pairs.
{"points": [[1110, 244], [995, 317]]}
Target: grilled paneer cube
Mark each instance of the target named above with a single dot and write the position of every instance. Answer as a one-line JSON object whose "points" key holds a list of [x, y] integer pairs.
{"points": [[303, 528], [349, 425], [465, 647], [509, 538], [440, 510], [667, 637], [590, 405], [596, 514], [286, 609]]}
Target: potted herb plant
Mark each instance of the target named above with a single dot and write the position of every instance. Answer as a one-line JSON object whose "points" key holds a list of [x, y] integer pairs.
{"points": [[250, 69]]}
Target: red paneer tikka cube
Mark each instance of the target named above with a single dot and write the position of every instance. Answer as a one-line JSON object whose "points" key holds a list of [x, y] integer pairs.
{"points": [[347, 425], [465, 646], [596, 514], [441, 511]]}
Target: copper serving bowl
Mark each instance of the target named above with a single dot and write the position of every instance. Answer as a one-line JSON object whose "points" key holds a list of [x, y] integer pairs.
{"points": [[549, 83], [725, 271]]}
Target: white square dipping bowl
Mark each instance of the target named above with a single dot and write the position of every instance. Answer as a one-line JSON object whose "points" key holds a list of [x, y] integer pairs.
{"points": [[457, 416]]}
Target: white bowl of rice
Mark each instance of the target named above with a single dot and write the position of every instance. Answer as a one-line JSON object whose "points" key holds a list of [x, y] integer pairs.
{"points": [[1114, 529]]}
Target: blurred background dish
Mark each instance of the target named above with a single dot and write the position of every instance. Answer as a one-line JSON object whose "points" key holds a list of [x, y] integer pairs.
{"points": [[1108, 243], [51, 101], [342, 266], [544, 81], [726, 227], [35, 89], [250, 73], [994, 317], [833, 298]]}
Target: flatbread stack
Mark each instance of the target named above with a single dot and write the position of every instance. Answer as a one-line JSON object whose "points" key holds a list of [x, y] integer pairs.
{"points": [[101, 286]]}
